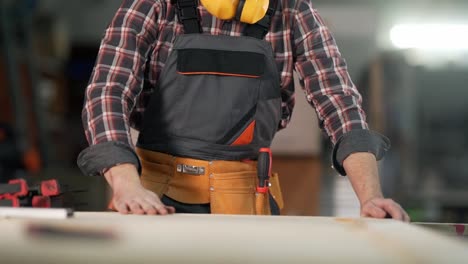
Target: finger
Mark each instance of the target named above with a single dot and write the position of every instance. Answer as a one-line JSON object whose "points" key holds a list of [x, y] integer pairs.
{"points": [[371, 210], [154, 200], [406, 217], [120, 207], [135, 208], [170, 209], [394, 210], [148, 208], [160, 208], [390, 207]]}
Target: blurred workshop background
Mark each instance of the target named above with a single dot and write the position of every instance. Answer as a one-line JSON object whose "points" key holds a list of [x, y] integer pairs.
{"points": [[409, 60]]}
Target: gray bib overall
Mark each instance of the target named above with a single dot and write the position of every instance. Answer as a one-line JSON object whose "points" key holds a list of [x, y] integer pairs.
{"points": [[217, 101], [218, 98]]}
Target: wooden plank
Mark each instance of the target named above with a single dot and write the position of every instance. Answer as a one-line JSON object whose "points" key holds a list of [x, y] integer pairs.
{"points": [[223, 239], [449, 229]]}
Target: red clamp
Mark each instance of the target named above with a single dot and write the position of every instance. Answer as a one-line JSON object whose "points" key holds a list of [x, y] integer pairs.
{"points": [[10, 202], [50, 188], [17, 193], [41, 202], [14, 189], [23, 185]]}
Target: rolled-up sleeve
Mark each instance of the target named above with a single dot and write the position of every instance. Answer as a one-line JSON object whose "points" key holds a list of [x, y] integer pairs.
{"points": [[324, 76], [116, 82]]}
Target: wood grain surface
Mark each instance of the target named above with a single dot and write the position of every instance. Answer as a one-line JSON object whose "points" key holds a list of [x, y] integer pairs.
{"points": [[113, 238]]}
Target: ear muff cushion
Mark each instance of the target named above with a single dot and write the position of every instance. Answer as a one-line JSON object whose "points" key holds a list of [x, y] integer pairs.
{"points": [[249, 12], [222, 9], [254, 10]]}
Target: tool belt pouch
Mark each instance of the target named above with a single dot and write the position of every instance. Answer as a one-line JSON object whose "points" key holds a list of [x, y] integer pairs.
{"points": [[262, 201], [262, 204], [155, 176], [159, 175], [233, 193], [275, 190]]}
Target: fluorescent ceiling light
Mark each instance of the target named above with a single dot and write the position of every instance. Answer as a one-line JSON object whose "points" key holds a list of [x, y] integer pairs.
{"points": [[430, 36]]}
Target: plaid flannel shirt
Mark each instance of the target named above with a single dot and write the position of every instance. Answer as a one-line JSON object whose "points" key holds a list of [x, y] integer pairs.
{"points": [[139, 40]]}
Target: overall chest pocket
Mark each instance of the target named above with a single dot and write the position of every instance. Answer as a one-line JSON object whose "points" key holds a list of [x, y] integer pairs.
{"points": [[219, 92]]}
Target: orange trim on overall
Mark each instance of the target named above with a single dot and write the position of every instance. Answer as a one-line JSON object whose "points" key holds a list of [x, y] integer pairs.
{"points": [[246, 137], [219, 73]]}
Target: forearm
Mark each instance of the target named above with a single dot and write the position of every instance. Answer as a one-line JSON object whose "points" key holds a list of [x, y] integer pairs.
{"points": [[121, 175], [361, 168]]}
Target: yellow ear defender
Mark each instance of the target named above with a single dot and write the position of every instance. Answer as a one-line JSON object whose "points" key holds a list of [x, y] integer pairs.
{"points": [[247, 11]]}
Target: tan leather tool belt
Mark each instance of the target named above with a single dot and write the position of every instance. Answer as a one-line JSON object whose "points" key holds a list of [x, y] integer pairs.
{"points": [[228, 186]]}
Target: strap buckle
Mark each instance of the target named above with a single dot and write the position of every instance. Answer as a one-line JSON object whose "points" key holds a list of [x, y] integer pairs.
{"points": [[193, 170], [188, 15]]}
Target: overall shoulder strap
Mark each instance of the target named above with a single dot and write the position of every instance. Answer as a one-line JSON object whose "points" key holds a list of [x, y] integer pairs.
{"points": [[187, 11], [261, 28]]}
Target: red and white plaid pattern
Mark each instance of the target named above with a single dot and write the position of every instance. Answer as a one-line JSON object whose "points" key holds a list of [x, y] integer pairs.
{"points": [[138, 42]]}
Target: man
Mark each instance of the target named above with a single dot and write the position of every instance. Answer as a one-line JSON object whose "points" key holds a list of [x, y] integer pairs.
{"points": [[160, 58]]}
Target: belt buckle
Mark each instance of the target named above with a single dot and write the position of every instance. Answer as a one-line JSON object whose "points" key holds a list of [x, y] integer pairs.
{"points": [[192, 170]]}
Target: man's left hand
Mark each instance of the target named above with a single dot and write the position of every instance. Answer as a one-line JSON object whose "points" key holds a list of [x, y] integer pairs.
{"points": [[381, 208]]}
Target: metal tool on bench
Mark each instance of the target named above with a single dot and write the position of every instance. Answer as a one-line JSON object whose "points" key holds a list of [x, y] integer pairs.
{"points": [[36, 213], [264, 172]]}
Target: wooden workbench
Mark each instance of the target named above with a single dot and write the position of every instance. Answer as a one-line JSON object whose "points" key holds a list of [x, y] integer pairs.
{"points": [[112, 238]]}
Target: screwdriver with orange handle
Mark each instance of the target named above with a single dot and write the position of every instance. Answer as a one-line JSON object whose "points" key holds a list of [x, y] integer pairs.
{"points": [[263, 171]]}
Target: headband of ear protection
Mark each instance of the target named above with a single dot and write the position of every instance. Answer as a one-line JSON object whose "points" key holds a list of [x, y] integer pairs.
{"points": [[247, 11]]}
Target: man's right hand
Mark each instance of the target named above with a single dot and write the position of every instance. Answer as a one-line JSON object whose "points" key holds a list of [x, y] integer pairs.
{"points": [[129, 195]]}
